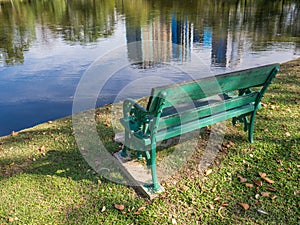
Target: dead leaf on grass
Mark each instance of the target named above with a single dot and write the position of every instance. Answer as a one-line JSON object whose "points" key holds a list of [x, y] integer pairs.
{"points": [[231, 143], [211, 206], [271, 189], [265, 194], [219, 212], [207, 172], [119, 207], [269, 180], [42, 149], [245, 206], [14, 133], [217, 198], [273, 197], [249, 185], [141, 208], [242, 179], [138, 212], [225, 204], [262, 175], [214, 189], [258, 182]]}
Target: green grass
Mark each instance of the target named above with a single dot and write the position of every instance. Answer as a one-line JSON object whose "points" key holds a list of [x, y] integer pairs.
{"points": [[45, 180]]}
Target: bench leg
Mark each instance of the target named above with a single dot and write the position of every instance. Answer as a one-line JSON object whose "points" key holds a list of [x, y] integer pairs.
{"points": [[251, 127], [126, 142], [156, 185], [139, 155]]}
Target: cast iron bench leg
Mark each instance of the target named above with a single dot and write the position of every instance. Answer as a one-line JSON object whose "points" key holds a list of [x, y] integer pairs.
{"points": [[126, 142], [251, 127], [156, 185]]}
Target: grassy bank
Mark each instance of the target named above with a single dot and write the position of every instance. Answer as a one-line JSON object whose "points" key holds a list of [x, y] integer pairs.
{"points": [[45, 180]]}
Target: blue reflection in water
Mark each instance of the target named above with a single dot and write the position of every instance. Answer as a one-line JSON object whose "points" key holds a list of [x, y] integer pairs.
{"points": [[42, 88]]}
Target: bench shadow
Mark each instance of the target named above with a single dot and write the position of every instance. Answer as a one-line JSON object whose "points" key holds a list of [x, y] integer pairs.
{"points": [[62, 161]]}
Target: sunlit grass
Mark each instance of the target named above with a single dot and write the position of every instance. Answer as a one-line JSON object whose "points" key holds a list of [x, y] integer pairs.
{"points": [[45, 180]]}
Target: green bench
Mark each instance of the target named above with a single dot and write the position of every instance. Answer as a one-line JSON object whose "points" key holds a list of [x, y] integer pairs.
{"points": [[176, 109]]}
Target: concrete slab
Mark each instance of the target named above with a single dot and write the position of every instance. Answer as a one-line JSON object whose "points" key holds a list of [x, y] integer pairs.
{"points": [[140, 173]]}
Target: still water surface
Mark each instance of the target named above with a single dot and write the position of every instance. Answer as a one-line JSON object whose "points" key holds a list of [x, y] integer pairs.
{"points": [[46, 47]]}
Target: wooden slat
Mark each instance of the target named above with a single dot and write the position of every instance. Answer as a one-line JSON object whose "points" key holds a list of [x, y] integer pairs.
{"points": [[206, 87], [193, 114], [177, 130]]}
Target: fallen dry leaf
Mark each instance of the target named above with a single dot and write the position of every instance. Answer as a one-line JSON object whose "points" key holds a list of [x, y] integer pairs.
{"points": [[225, 204], [242, 179], [214, 189], [262, 175], [231, 143], [14, 133], [141, 208], [265, 194], [217, 198], [207, 172], [42, 149], [249, 185], [103, 209], [245, 206], [273, 197], [271, 189], [258, 182], [138, 212], [219, 212], [119, 207], [269, 180], [211, 206]]}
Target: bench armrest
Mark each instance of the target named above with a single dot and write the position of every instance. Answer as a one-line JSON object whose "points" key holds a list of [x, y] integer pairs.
{"points": [[138, 116], [130, 104]]}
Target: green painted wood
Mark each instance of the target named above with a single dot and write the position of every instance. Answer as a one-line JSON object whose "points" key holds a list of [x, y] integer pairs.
{"points": [[188, 127], [193, 114], [206, 87], [193, 125]]}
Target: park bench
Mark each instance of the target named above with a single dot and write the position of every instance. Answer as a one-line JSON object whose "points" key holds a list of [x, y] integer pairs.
{"points": [[177, 109]]}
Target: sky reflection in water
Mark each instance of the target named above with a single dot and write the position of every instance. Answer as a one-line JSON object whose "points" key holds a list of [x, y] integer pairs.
{"points": [[42, 58]]}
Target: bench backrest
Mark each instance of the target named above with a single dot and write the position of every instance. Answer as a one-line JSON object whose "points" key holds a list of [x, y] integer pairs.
{"points": [[177, 94]]}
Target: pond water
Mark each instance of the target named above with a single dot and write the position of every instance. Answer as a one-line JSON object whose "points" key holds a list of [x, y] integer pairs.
{"points": [[47, 46]]}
